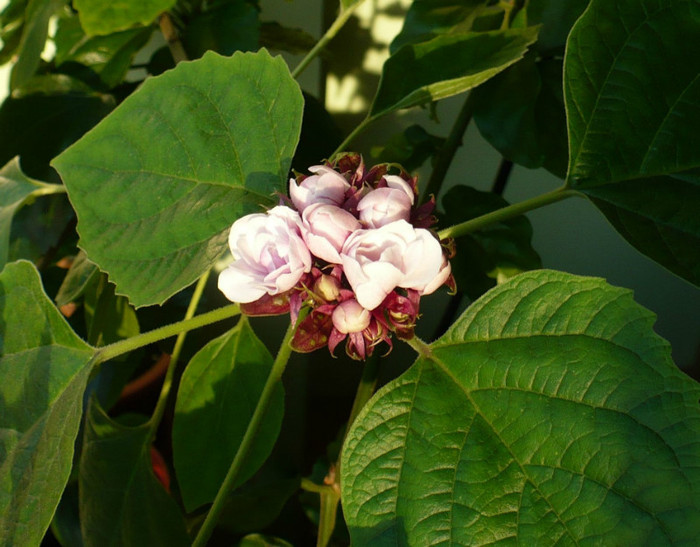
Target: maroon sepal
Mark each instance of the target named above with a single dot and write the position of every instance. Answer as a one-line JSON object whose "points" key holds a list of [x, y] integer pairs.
{"points": [[276, 304], [422, 217], [313, 332]]}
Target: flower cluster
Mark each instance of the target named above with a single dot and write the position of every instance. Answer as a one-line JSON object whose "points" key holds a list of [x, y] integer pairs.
{"points": [[349, 242]]}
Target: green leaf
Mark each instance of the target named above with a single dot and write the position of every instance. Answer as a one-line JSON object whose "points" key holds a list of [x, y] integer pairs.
{"points": [[109, 56], [15, 190], [550, 413], [492, 254], [44, 367], [632, 90], [121, 501], [426, 19], [34, 34], [410, 148], [447, 65], [157, 185], [79, 276], [100, 17], [527, 126], [11, 27], [293, 40], [217, 397], [259, 540], [109, 316]]}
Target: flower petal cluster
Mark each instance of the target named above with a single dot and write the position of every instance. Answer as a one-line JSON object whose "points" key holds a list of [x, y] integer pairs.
{"points": [[352, 245]]}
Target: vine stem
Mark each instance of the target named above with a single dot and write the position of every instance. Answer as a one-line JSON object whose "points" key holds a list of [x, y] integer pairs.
{"points": [[354, 133], [507, 212], [111, 351], [159, 410], [449, 149], [253, 426], [327, 37]]}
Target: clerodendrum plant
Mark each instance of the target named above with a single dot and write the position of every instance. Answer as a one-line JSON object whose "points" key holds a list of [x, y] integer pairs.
{"points": [[549, 412]]}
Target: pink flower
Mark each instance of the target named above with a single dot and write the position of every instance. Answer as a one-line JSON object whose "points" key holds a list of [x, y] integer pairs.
{"points": [[396, 182], [270, 255], [350, 316], [376, 261], [384, 206], [325, 228], [325, 186]]}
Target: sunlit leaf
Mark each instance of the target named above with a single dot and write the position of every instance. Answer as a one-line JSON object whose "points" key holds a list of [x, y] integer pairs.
{"points": [[44, 367], [158, 183], [550, 413], [100, 17], [79, 275], [632, 90], [217, 397], [447, 65]]}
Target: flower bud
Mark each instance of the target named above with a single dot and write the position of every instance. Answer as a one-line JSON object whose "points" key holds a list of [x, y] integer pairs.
{"points": [[350, 317], [324, 186], [384, 206], [327, 287], [325, 228], [396, 182]]}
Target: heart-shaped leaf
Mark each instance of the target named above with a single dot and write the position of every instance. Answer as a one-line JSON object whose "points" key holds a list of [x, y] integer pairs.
{"points": [[632, 91], [446, 66], [44, 367], [549, 413], [121, 500], [158, 183], [215, 402]]}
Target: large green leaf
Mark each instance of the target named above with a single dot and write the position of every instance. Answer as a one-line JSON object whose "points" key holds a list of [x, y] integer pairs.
{"points": [[447, 65], [44, 367], [217, 397], [528, 126], [109, 56], [632, 91], [158, 183], [15, 190], [100, 17], [121, 501], [550, 413], [426, 19], [34, 34]]}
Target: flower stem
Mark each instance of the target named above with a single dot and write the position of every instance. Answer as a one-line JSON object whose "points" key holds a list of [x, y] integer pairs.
{"points": [[507, 212], [234, 470], [157, 416], [449, 149], [327, 37], [111, 351], [354, 133]]}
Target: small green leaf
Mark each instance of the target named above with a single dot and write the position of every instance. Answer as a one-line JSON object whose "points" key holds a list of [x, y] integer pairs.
{"points": [[11, 27], [15, 190], [100, 17], [157, 185], [278, 37], [426, 19], [632, 95], [79, 276], [44, 367], [217, 397], [109, 56], [527, 126], [492, 254], [109, 317], [447, 65], [34, 34], [410, 148], [550, 413], [259, 540], [121, 500]]}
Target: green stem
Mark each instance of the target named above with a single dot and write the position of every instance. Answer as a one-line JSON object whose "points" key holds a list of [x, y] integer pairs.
{"points": [[125, 346], [365, 390], [449, 149], [507, 212], [354, 133], [47, 189], [234, 471], [177, 349], [327, 37], [421, 347], [327, 516]]}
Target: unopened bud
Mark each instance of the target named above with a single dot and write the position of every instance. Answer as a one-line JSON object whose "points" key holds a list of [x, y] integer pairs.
{"points": [[349, 317], [327, 287]]}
